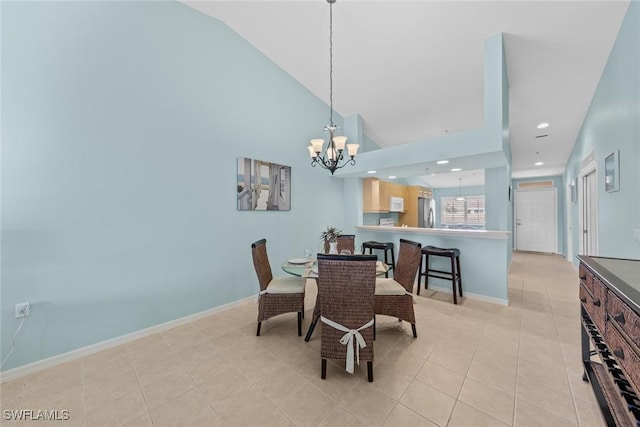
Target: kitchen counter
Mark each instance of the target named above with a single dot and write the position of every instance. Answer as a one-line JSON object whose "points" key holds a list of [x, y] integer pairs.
{"points": [[454, 232], [484, 256]]}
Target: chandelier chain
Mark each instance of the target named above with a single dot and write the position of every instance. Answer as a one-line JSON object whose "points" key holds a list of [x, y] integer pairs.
{"points": [[331, 63], [334, 156]]}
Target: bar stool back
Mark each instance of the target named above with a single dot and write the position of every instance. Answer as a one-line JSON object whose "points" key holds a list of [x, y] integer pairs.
{"points": [[454, 275], [387, 247]]}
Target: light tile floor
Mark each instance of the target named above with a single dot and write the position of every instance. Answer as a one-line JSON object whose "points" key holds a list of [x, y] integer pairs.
{"points": [[474, 364]]}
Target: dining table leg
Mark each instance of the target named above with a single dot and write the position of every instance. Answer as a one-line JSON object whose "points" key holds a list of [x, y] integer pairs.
{"points": [[314, 320]]}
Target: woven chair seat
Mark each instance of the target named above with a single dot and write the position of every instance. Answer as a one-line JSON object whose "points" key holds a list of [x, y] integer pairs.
{"points": [[387, 286], [286, 285]]}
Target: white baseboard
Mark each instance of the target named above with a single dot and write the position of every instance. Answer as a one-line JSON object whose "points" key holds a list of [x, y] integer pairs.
{"points": [[471, 295], [30, 368]]}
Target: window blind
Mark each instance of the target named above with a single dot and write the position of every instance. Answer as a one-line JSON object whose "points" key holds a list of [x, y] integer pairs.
{"points": [[466, 212]]}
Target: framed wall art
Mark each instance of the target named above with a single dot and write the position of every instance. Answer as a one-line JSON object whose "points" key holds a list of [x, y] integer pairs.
{"points": [[612, 172], [263, 186]]}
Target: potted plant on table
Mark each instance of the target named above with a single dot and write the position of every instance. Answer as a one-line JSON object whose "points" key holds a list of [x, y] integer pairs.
{"points": [[330, 238]]}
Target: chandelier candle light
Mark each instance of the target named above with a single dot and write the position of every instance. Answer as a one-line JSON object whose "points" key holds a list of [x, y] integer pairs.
{"points": [[331, 158]]}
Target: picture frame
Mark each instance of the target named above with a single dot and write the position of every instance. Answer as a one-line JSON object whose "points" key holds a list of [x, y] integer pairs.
{"points": [[612, 172], [263, 186]]}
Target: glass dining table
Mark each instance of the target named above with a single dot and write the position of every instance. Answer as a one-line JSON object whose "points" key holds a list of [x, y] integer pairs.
{"points": [[308, 268]]}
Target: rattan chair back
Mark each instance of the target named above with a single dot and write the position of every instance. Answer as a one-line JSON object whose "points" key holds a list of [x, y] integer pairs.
{"points": [[346, 289], [345, 242], [406, 269], [261, 263]]}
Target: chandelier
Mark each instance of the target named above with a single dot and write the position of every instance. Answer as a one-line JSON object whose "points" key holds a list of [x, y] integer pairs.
{"points": [[332, 157]]}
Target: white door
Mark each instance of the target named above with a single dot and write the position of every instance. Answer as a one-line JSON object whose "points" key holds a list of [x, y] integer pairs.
{"points": [[536, 220], [570, 198], [589, 214]]}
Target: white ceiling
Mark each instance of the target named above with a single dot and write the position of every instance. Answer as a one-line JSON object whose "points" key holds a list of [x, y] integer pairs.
{"points": [[413, 70]]}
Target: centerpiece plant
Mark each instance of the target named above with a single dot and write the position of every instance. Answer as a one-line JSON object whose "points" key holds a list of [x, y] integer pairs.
{"points": [[330, 238]]}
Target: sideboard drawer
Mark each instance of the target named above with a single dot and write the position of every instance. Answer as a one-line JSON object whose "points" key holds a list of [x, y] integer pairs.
{"points": [[594, 304], [626, 356], [586, 277], [619, 313]]}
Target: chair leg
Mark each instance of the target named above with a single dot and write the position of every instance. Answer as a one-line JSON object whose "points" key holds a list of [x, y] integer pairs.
{"points": [[459, 276], [426, 273], [374, 327], [413, 328], [370, 371], [419, 276], [386, 262], [393, 262], [258, 332], [323, 373], [300, 323], [453, 281]]}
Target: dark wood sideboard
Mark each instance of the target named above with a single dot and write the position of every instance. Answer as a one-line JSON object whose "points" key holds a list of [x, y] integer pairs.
{"points": [[610, 312]]}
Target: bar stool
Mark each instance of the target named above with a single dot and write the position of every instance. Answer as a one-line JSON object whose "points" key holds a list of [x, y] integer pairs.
{"points": [[454, 275], [383, 246]]}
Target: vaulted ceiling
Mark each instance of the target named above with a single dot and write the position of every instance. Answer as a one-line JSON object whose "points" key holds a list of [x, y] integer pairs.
{"points": [[413, 70]]}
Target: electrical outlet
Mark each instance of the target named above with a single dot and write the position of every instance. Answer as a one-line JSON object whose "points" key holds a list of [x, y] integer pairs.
{"points": [[23, 309]]}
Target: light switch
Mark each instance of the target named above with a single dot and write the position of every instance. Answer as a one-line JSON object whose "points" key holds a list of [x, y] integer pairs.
{"points": [[636, 235]]}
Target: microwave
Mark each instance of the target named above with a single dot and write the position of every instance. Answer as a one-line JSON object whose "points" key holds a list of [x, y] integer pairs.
{"points": [[396, 204]]}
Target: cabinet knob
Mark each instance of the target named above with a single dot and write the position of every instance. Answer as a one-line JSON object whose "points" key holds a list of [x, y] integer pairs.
{"points": [[619, 353], [583, 299], [583, 275], [596, 302], [619, 318]]}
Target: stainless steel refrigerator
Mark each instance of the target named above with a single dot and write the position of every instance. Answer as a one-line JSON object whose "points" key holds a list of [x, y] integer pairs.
{"points": [[426, 218]]}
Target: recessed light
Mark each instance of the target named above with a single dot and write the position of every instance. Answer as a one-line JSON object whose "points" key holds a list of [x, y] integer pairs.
{"points": [[456, 170], [442, 162], [392, 177], [543, 125], [371, 171], [539, 163]]}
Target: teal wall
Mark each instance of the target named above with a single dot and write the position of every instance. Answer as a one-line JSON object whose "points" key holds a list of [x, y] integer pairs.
{"points": [[438, 193], [121, 126], [613, 123], [561, 204]]}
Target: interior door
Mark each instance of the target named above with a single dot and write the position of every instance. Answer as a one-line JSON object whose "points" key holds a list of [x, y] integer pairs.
{"points": [[589, 214], [536, 228]]}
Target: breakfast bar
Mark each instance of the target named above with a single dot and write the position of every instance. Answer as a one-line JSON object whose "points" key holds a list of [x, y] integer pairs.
{"points": [[484, 254]]}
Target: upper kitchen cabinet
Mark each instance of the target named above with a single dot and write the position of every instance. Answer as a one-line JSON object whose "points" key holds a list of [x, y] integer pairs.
{"points": [[377, 194]]}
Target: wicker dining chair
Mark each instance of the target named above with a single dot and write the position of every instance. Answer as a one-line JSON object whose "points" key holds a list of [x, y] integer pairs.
{"points": [[345, 242], [278, 295], [394, 297], [346, 289]]}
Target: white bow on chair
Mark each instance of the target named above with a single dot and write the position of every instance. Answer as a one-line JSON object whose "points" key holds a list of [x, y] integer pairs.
{"points": [[347, 339]]}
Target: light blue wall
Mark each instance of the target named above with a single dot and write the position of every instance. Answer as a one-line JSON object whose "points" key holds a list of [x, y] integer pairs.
{"points": [[121, 126], [613, 123], [483, 262], [558, 184], [438, 193]]}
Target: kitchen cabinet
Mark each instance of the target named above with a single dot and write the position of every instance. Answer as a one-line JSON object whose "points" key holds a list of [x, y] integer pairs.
{"points": [[376, 194]]}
